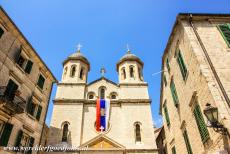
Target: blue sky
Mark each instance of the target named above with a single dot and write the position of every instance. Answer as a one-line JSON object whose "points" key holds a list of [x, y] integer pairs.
{"points": [[55, 27]]}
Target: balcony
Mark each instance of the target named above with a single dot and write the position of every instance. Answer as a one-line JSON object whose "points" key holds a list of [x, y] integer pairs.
{"points": [[12, 103]]}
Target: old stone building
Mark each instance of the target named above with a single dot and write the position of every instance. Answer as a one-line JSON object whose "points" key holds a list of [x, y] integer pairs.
{"points": [[195, 71], [25, 87], [74, 114]]}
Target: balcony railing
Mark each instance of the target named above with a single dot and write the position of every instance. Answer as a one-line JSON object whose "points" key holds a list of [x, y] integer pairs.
{"points": [[12, 102]]}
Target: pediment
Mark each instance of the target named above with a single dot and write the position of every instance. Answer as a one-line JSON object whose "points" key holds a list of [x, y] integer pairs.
{"points": [[102, 142], [101, 80]]}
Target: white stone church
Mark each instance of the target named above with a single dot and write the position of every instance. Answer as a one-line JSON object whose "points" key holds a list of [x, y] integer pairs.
{"points": [[74, 113]]}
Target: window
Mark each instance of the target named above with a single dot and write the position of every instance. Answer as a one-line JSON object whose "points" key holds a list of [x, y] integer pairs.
{"points": [[167, 64], [29, 66], [5, 134], [24, 140], [41, 81], [34, 109], [65, 72], [11, 89], [65, 133], [131, 71], [1, 32], [102, 93], [73, 71], [182, 65], [23, 62], [113, 96], [174, 93], [174, 150], [140, 73], [165, 80], [123, 73], [225, 31], [186, 139], [91, 96], [81, 73], [166, 115], [201, 124], [138, 132]]}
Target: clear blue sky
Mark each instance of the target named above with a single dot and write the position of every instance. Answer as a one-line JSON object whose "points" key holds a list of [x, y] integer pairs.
{"points": [[103, 27]]}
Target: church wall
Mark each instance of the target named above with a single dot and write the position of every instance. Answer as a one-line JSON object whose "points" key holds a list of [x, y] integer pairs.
{"points": [[133, 92], [70, 91]]}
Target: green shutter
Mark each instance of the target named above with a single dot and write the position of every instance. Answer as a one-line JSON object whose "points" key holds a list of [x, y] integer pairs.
{"points": [[166, 115], [18, 139], [6, 134], [174, 150], [174, 93], [31, 144], [201, 124], [29, 66], [165, 80], [225, 31], [41, 81], [186, 139], [167, 64], [39, 112], [183, 68]]}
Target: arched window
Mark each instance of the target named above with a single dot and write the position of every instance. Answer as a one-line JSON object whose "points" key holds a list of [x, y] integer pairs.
{"points": [[140, 73], [91, 95], [73, 71], [65, 132], [102, 93], [123, 73], [113, 95], [131, 71], [81, 73], [65, 71], [138, 132]]}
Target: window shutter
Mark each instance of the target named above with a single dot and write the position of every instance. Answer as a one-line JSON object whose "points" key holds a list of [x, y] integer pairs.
{"points": [[29, 66], [29, 104], [1, 32], [31, 144], [166, 115], [225, 31], [11, 89], [167, 64], [18, 139], [17, 53], [186, 139], [41, 81], [174, 150], [39, 112], [6, 134], [174, 93], [183, 68], [201, 124]]}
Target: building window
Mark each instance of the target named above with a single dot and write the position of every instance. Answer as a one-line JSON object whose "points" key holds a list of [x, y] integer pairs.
{"points": [[183, 69], [167, 64], [1, 32], [137, 132], [65, 72], [21, 61], [24, 140], [201, 124], [41, 81], [225, 31], [173, 150], [81, 73], [11, 90], [165, 80], [123, 73], [186, 139], [73, 71], [102, 93], [65, 132], [174, 93], [5, 134], [166, 115], [131, 71], [113, 96], [34, 109], [91, 96]]}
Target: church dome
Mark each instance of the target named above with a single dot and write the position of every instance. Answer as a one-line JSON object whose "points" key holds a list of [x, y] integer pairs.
{"points": [[77, 56], [129, 57]]}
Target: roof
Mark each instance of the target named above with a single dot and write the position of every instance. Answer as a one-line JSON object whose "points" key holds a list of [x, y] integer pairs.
{"points": [[28, 43], [129, 57], [102, 78], [185, 16], [77, 56]]}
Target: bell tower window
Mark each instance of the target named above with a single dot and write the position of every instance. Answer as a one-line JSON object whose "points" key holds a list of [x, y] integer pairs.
{"points": [[73, 71], [131, 71], [81, 73], [65, 132], [137, 133], [123, 73]]}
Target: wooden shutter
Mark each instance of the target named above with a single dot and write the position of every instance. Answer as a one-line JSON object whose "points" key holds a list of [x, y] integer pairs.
{"points": [[225, 31], [166, 115], [174, 93], [28, 105], [31, 144], [39, 112], [186, 139], [6, 134], [41, 81], [29, 66], [18, 139], [183, 68], [17, 53], [201, 124], [11, 89]]}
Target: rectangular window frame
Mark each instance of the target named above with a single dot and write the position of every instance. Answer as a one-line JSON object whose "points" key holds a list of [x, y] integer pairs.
{"points": [[39, 84], [182, 65], [166, 114], [174, 93], [187, 142], [222, 33]]}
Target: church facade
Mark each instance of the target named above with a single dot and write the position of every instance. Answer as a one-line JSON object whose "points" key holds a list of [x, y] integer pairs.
{"points": [[73, 122]]}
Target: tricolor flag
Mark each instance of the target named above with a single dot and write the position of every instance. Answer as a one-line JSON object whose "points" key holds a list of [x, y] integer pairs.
{"points": [[102, 114]]}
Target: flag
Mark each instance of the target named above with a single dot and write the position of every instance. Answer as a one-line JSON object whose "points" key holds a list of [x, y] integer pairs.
{"points": [[102, 114]]}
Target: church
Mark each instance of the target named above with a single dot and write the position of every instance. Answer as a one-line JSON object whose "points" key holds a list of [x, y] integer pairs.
{"points": [[129, 127]]}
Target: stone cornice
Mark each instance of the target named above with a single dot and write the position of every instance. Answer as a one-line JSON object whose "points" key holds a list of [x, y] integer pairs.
{"points": [[71, 84], [133, 84]]}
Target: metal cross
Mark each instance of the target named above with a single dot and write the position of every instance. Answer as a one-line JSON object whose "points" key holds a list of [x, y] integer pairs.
{"points": [[79, 47], [128, 49], [102, 71]]}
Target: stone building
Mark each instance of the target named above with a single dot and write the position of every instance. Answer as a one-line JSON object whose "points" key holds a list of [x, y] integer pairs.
{"points": [[25, 87], [160, 140], [74, 113], [195, 71]]}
